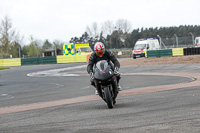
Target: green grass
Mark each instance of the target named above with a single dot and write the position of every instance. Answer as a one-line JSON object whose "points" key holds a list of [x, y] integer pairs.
{"points": [[1, 68]]}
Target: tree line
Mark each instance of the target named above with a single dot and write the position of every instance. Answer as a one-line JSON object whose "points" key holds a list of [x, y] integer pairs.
{"points": [[120, 35], [114, 35], [12, 45]]}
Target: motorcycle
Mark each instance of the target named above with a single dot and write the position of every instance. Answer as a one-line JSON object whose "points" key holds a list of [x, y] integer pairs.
{"points": [[105, 82]]}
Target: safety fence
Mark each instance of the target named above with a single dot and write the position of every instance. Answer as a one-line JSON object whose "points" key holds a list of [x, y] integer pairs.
{"points": [[159, 53], [173, 52], [85, 58], [39, 60], [44, 60]]}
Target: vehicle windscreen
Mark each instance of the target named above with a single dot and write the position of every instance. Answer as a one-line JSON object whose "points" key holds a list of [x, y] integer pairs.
{"points": [[102, 65], [86, 49], [196, 41], [140, 46]]}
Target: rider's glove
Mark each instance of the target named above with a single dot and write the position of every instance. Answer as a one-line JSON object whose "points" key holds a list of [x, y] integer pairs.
{"points": [[91, 75], [116, 71]]}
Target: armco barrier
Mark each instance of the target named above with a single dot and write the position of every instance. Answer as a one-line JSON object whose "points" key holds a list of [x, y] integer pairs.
{"points": [[10, 62], [39, 60], [71, 58], [177, 52]]}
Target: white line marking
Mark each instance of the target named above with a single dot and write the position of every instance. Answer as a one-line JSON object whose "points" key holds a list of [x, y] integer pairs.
{"points": [[55, 72]]}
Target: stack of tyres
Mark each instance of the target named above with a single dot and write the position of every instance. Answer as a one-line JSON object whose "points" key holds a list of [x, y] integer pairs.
{"points": [[191, 51], [185, 51], [197, 50]]}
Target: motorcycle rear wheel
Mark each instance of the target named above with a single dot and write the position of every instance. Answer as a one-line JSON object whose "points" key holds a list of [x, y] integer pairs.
{"points": [[108, 97]]}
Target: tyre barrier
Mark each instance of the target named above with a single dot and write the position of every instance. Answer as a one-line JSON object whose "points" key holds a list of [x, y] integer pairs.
{"points": [[192, 51], [173, 52]]}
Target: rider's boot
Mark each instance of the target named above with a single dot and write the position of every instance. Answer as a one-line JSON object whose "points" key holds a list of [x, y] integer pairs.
{"points": [[96, 92], [119, 87]]}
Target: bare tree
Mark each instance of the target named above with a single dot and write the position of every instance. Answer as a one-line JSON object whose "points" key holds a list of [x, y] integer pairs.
{"points": [[8, 37], [58, 44], [93, 31], [123, 25], [116, 34], [107, 28]]}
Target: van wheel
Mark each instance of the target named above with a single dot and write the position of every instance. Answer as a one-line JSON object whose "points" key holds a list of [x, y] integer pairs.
{"points": [[134, 57]]}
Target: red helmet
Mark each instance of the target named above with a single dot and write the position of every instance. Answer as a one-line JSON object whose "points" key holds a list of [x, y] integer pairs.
{"points": [[99, 49]]}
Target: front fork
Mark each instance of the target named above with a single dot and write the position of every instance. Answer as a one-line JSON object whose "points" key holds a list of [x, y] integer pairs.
{"points": [[113, 86]]}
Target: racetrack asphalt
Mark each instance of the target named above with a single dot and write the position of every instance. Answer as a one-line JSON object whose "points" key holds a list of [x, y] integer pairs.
{"points": [[163, 98]]}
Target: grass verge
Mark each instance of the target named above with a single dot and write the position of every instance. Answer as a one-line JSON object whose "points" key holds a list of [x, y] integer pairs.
{"points": [[1, 68]]}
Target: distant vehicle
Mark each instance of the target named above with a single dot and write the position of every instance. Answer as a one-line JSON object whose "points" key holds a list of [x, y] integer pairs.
{"points": [[142, 45], [197, 42], [84, 50], [76, 49]]}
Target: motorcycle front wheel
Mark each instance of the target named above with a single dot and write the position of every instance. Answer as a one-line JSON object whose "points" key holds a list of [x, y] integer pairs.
{"points": [[108, 97]]}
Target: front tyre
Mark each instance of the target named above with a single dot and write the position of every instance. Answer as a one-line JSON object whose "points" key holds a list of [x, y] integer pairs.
{"points": [[108, 97]]}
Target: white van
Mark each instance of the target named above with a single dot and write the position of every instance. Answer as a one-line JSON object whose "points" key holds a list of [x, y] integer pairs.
{"points": [[142, 45], [197, 42]]}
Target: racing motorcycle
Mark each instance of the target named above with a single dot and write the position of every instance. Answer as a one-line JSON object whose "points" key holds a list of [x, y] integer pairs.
{"points": [[105, 82]]}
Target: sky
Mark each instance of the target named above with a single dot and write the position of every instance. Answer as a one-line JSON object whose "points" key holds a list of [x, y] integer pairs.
{"points": [[64, 19]]}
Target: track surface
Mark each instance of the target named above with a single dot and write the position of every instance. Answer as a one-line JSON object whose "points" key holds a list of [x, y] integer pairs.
{"points": [[58, 98]]}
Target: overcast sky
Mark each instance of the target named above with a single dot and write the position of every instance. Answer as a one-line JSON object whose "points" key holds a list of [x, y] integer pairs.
{"points": [[63, 19]]}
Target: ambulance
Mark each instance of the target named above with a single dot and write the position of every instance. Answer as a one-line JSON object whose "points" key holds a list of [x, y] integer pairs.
{"points": [[76, 49], [197, 42], [83, 49], [144, 44]]}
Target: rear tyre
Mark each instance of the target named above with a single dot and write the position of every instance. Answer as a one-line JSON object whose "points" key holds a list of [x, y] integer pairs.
{"points": [[108, 97], [114, 102]]}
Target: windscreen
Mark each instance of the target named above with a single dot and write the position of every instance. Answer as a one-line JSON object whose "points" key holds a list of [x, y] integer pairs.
{"points": [[196, 41], [140, 46], [86, 49], [102, 65]]}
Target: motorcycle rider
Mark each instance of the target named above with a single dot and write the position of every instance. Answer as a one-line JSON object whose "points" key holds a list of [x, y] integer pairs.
{"points": [[100, 53]]}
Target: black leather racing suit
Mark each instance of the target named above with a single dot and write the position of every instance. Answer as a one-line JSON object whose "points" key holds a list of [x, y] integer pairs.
{"points": [[109, 56]]}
